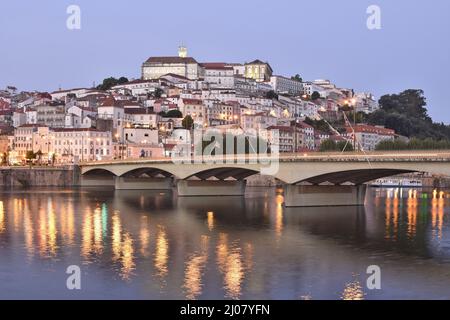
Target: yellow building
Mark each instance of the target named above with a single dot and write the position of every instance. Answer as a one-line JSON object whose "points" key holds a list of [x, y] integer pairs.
{"points": [[258, 70]]}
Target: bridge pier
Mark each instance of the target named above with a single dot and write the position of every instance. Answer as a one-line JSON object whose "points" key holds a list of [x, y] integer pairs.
{"points": [[188, 188], [124, 183], [316, 196]]}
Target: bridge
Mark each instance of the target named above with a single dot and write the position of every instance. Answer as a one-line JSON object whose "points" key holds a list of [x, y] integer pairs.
{"points": [[312, 179]]}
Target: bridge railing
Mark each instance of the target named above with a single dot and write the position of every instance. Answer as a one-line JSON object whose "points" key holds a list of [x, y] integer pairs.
{"points": [[419, 155]]}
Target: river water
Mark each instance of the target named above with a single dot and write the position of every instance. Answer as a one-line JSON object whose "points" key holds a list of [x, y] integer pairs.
{"points": [[153, 245]]}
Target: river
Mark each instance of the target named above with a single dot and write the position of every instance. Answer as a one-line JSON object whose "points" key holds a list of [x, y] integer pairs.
{"points": [[153, 245]]}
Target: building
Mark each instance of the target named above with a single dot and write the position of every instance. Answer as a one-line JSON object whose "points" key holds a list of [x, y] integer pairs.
{"points": [[138, 150], [142, 117], [257, 121], [222, 113], [141, 135], [283, 136], [282, 84], [367, 137], [110, 109], [30, 137], [258, 70], [70, 145], [184, 66], [49, 115], [365, 102], [195, 109], [137, 87], [305, 138], [219, 75]]}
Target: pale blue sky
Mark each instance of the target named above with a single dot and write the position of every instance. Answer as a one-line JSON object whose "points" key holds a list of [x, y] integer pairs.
{"points": [[317, 39]]}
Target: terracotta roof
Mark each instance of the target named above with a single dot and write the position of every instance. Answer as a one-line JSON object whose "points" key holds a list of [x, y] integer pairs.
{"points": [[109, 102], [371, 129], [281, 128], [216, 66], [174, 59], [175, 76], [138, 111], [192, 101], [137, 81]]}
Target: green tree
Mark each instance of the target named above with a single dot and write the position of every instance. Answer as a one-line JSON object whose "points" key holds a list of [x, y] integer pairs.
{"points": [[158, 92], [30, 156], [297, 78], [414, 144], [174, 113], [407, 114], [328, 145], [271, 95], [315, 95], [110, 82], [187, 122], [340, 145], [320, 125]]}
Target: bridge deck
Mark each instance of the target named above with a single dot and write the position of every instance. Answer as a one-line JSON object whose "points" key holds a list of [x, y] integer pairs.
{"points": [[404, 156]]}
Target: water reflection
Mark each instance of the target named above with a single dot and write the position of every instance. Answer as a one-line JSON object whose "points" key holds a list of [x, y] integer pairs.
{"points": [[353, 291], [197, 248], [194, 271], [162, 252]]}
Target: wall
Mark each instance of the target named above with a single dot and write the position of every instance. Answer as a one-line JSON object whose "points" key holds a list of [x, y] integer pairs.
{"points": [[39, 177]]}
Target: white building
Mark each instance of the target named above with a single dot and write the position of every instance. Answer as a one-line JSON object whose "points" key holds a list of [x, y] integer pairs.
{"points": [[141, 117], [257, 121], [141, 135], [155, 67], [283, 84], [137, 87], [367, 137], [219, 75], [83, 144]]}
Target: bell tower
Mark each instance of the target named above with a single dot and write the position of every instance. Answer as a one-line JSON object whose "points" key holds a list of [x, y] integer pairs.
{"points": [[182, 51]]}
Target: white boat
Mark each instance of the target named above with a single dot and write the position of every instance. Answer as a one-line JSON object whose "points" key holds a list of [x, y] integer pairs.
{"points": [[397, 182]]}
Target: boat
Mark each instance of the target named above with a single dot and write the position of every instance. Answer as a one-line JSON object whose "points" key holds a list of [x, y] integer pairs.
{"points": [[397, 182]]}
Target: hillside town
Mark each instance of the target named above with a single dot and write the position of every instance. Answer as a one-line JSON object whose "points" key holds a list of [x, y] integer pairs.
{"points": [[149, 116]]}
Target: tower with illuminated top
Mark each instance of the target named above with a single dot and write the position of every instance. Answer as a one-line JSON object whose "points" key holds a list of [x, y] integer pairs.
{"points": [[182, 51]]}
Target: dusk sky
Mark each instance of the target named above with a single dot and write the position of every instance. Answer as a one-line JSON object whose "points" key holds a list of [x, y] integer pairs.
{"points": [[317, 39]]}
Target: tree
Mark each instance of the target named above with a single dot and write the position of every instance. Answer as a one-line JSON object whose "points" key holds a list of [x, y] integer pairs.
{"points": [[122, 80], [320, 125], [110, 82], [297, 78], [414, 144], [174, 113], [340, 145], [315, 95], [271, 95], [187, 122], [328, 145], [158, 92], [406, 113], [13, 89], [38, 156], [4, 158], [30, 156]]}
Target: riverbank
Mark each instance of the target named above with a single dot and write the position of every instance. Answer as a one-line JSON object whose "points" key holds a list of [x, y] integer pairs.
{"points": [[12, 177]]}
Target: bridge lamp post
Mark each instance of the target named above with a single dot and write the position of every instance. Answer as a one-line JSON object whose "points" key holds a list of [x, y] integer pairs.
{"points": [[353, 104]]}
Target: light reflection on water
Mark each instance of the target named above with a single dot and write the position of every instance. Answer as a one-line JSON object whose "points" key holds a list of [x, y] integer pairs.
{"points": [[144, 244]]}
